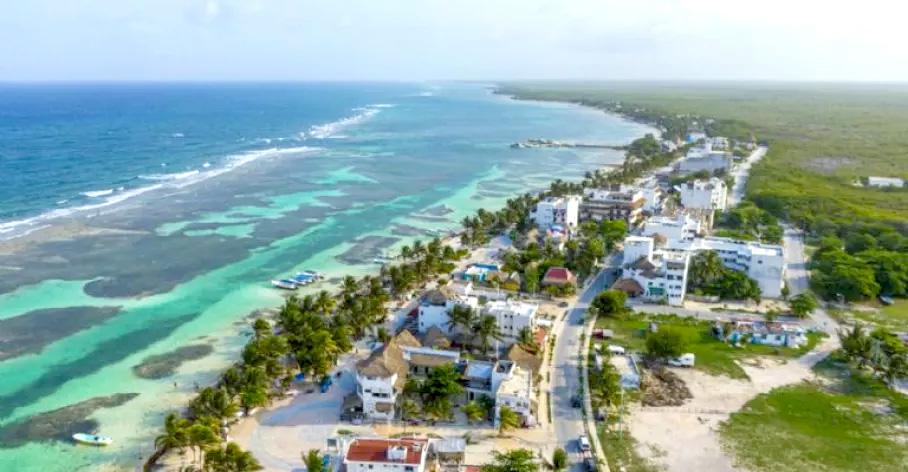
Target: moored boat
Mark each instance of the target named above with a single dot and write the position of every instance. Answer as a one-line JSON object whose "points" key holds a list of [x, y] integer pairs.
{"points": [[92, 439], [286, 284], [311, 273]]}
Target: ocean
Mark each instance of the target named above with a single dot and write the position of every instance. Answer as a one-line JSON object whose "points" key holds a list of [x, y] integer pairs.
{"points": [[139, 219]]}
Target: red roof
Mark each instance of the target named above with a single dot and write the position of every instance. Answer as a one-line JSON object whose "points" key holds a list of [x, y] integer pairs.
{"points": [[558, 273], [376, 450], [540, 337]]}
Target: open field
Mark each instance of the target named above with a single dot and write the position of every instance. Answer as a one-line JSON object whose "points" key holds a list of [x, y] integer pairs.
{"points": [[846, 422], [713, 356], [822, 137], [892, 317]]}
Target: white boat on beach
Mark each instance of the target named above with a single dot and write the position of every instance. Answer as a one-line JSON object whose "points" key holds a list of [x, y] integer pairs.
{"points": [[286, 284], [92, 439], [311, 273]]}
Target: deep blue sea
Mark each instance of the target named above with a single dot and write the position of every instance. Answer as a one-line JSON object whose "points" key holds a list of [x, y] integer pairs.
{"points": [[136, 219]]}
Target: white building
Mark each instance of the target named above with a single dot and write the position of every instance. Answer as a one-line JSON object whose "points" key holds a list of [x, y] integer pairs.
{"points": [[505, 382], [704, 157], [765, 263], [564, 211], [718, 143], [653, 274], [694, 136], [386, 455], [652, 195], [709, 194], [682, 226], [885, 182], [512, 316], [614, 203], [435, 306]]}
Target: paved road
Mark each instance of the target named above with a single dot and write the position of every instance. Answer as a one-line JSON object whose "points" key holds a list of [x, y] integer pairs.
{"points": [[797, 277], [567, 420], [741, 174]]}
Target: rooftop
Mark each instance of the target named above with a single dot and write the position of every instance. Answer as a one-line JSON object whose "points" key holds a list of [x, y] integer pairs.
{"points": [[378, 450]]}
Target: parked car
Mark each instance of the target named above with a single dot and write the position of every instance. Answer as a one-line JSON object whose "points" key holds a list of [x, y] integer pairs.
{"points": [[583, 443], [589, 464], [684, 360], [576, 401]]}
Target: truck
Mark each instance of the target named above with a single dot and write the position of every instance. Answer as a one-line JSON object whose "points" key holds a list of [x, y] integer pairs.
{"points": [[684, 360]]}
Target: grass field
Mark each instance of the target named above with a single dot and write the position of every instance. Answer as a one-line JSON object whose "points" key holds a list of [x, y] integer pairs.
{"points": [[893, 317], [712, 355], [848, 423], [822, 137]]}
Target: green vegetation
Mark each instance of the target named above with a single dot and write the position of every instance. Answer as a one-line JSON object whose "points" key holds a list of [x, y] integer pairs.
{"points": [[853, 422], [824, 140], [708, 275], [749, 222], [517, 460], [666, 342], [802, 304], [713, 356], [859, 268], [880, 350], [609, 303]]}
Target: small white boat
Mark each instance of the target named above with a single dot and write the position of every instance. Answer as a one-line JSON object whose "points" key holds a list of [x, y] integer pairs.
{"points": [[285, 284], [92, 439], [311, 273]]}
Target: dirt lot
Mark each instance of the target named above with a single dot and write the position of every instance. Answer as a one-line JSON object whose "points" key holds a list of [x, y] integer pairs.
{"points": [[685, 438]]}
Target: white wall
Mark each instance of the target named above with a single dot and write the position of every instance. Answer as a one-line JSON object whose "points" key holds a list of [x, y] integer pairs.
{"points": [[376, 390]]}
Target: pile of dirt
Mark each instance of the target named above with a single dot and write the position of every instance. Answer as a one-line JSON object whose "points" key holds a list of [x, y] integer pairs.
{"points": [[663, 388]]}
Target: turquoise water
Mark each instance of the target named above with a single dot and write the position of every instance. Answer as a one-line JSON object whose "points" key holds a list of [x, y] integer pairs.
{"points": [[190, 260]]}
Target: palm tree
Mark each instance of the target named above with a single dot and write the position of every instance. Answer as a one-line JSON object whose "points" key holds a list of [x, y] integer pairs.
{"points": [[418, 248], [325, 302], [382, 335], [409, 409], [349, 286], [486, 329], [201, 436], [526, 339], [474, 411], [260, 328], [214, 402], [174, 435], [313, 461], [461, 316], [705, 267], [507, 419], [405, 252], [231, 459]]}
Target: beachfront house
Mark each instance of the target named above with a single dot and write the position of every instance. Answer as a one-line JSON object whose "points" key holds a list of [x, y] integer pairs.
{"points": [[436, 305], [561, 211], [381, 377], [693, 136], [709, 194], [386, 455], [478, 272], [613, 203]]}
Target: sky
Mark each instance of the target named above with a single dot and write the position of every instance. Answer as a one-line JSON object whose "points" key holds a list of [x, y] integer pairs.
{"points": [[296, 40]]}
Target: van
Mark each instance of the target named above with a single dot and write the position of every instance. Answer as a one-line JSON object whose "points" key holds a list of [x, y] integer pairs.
{"points": [[615, 350], [684, 360]]}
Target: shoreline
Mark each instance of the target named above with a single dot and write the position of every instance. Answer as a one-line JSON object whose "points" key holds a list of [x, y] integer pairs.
{"points": [[447, 237]]}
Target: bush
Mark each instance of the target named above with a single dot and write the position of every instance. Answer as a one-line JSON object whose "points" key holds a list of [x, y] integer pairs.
{"points": [[609, 302], [666, 342]]}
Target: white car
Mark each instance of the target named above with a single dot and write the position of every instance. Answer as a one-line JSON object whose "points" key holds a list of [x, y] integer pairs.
{"points": [[584, 443], [615, 350], [684, 360]]}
